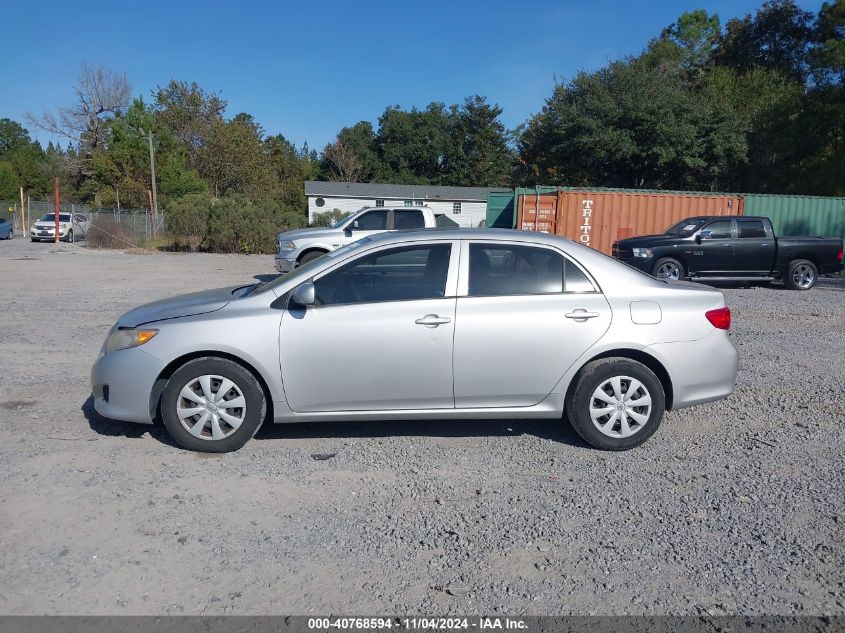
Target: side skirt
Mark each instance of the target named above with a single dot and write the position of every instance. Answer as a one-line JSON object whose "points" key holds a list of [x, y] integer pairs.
{"points": [[550, 407]]}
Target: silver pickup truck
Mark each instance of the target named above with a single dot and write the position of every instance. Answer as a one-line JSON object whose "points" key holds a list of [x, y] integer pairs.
{"points": [[303, 245]]}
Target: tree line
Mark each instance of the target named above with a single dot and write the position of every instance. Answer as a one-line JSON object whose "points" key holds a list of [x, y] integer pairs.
{"points": [[754, 105]]}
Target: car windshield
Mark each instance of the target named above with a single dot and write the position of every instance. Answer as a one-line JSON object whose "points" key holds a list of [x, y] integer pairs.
{"points": [[685, 227], [305, 270], [51, 217]]}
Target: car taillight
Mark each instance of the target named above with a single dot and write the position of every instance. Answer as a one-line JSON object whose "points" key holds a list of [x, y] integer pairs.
{"points": [[720, 318], [839, 255]]}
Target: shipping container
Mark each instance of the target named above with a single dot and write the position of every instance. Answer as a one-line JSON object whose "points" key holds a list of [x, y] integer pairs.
{"points": [[800, 215], [599, 217], [500, 213]]}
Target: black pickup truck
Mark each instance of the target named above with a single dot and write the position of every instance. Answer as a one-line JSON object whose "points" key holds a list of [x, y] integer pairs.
{"points": [[732, 248]]}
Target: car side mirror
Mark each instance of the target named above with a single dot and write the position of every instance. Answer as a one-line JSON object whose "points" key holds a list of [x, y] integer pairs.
{"points": [[698, 239], [304, 294]]}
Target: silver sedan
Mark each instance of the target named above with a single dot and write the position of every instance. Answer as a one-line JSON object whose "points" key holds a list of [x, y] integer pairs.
{"points": [[430, 324]]}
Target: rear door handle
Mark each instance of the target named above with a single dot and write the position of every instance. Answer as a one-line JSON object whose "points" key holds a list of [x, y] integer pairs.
{"points": [[580, 313], [432, 320]]}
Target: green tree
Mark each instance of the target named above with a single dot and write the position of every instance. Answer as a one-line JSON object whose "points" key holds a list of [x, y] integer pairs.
{"points": [[477, 153], [690, 41], [412, 144], [631, 124]]}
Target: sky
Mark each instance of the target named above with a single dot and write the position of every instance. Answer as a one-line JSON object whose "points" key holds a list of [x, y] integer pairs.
{"points": [[307, 69]]}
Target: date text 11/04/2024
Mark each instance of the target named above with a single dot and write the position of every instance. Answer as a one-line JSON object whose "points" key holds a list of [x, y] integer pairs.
{"points": [[417, 623]]}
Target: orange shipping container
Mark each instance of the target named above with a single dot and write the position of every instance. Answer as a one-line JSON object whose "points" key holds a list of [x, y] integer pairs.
{"points": [[598, 218]]}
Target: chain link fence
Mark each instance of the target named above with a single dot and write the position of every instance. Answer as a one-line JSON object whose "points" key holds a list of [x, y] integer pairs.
{"points": [[108, 226]]}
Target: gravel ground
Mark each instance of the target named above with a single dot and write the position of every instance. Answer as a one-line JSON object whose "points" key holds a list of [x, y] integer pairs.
{"points": [[733, 507]]}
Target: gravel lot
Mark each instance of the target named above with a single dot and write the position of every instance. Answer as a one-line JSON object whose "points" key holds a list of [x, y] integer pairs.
{"points": [[733, 507]]}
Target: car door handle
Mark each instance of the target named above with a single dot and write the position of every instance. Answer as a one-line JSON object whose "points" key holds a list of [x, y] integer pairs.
{"points": [[727, 245], [432, 320], [580, 313]]}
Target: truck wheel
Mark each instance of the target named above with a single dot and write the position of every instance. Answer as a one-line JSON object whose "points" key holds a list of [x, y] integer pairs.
{"points": [[668, 268], [617, 404], [310, 256], [800, 275]]}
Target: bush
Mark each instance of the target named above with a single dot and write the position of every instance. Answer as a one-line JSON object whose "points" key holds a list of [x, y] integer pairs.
{"points": [[106, 232], [186, 221], [231, 224], [327, 218]]}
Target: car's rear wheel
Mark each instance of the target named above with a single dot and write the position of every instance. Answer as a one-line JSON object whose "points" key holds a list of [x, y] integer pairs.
{"points": [[617, 404], [801, 274], [668, 268], [213, 405], [308, 257]]}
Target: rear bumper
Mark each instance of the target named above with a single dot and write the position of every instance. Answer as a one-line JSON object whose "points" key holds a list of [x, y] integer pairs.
{"points": [[831, 269], [701, 371], [122, 382]]}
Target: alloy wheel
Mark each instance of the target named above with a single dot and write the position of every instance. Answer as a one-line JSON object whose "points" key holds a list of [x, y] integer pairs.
{"points": [[620, 406], [211, 407], [668, 270], [803, 276]]}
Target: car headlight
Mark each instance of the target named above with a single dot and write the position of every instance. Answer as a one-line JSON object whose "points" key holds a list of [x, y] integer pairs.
{"points": [[286, 246], [125, 338], [62, 225], [642, 252]]}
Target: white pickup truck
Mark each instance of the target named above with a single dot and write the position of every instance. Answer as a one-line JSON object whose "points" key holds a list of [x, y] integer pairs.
{"points": [[303, 245]]}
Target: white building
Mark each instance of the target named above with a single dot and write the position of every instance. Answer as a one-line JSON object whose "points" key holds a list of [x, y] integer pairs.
{"points": [[465, 205]]}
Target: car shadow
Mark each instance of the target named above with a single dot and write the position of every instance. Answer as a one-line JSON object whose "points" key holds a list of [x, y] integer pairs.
{"points": [[554, 430], [117, 428], [265, 277], [558, 430]]}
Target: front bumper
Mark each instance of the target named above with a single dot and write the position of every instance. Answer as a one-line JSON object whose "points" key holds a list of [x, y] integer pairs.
{"points": [[701, 371], [285, 262], [46, 234], [640, 263], [122, 383]]}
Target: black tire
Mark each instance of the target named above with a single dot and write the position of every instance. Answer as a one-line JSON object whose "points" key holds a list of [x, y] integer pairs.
{"points": [[243, 379], [668, 262], [34, 240], [309, 256], [69, 238], [590, 378], [801, 274]]}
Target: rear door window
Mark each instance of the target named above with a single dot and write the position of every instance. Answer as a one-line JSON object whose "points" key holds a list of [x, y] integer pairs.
{"points": [[750, 228], [509, 269], [408, 220]]}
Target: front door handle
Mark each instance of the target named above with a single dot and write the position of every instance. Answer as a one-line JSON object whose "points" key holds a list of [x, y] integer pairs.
{"points": [[432, 320], [580, 314]]}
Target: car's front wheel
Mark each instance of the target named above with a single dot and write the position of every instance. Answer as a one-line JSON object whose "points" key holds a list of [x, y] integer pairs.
{"points": [[69, 239], [310, 256], [668, 268], [213, 405], [617, 404]]}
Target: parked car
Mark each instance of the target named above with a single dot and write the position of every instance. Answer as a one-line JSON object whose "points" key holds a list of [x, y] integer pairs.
{"points": [[72, 227], [6, 232], [303, 245], [452, 324], [733, 248]]}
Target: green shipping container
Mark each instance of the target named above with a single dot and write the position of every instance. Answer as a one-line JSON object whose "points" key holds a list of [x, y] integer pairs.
{"points": [[500, 213], [800, 215]]}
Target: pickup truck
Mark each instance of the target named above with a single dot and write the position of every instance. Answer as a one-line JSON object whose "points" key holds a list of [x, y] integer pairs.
{"points": [[732, 248], [301, 246]]}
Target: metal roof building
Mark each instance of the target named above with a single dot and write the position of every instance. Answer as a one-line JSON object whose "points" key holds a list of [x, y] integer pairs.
{"points": [[465, 205]]}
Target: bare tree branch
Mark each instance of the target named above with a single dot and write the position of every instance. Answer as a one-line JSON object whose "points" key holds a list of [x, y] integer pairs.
{"points": [[346, 165], [102, 94]]}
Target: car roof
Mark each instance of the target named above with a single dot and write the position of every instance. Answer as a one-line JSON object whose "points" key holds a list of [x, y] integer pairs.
{"points": [[468, 234]]}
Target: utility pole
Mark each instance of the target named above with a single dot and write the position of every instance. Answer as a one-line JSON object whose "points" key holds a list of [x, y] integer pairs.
{"points": [[56, 212], [153, 175], [23, 226]]}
